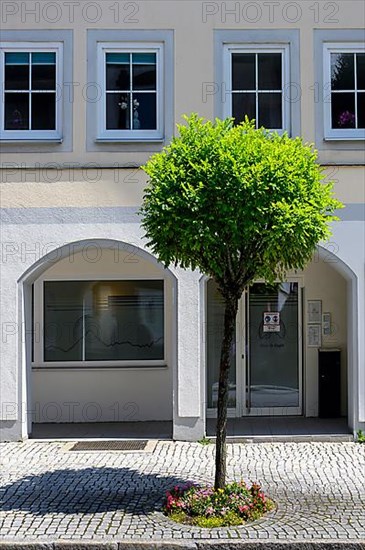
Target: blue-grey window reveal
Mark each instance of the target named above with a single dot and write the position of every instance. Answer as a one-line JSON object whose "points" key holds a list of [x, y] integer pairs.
{"points": [[108, 320], [131, 91], [36, 108], [257, 82], [342, 107], [347, 90], [30, 82], [32, 100], [134, 73]]}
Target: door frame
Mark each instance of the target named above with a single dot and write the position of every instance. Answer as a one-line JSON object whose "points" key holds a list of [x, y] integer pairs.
{"points": [[242, 354]]}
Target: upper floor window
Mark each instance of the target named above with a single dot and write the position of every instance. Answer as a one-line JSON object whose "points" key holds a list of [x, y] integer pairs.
{"points": [[344, 91], [131, 83], [258, 80], [31, 79]]}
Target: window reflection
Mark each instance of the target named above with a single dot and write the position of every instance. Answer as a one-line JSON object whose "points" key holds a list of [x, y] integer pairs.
{"points": [[103, 320]]}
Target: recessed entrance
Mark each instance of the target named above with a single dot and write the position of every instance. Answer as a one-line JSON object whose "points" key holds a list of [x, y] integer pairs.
{"points": [[266, 358]]}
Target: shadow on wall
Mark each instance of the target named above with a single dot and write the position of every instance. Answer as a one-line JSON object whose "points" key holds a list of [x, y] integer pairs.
{"points": [[87, 491]]}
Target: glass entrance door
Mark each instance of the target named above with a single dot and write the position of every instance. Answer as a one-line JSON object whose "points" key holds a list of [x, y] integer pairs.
{"points": [[265, 375], [272, 362]]}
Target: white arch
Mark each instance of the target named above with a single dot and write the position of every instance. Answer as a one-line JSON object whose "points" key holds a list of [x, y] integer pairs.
{"points": [[25, 283], [74, 247]]}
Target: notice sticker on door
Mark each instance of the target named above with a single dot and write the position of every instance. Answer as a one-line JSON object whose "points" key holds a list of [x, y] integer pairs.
{"points": [[271, 321]]}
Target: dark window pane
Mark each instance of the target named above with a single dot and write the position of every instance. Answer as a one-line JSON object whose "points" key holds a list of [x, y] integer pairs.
{"points": [[269, 71], [111, 320], [343, 110], [144, 112], [144, 77], [16, 77], [43, 111], [214, 335], [361, 110], [118, 58], [274, 362], [242, 105], [16, 111], [63, 321], [43, 77], [124, 320], [360, 61], [43, 58], [270, 111], [342, 71], [144, 58], [243, 71], [16, 58], [117, 76], [117, 111]]}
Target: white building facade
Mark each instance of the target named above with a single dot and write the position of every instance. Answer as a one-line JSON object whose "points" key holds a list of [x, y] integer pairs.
{"points": [[94, 329]]}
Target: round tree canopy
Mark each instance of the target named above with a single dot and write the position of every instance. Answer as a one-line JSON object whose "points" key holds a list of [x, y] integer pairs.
{"points": [[236, 202]]}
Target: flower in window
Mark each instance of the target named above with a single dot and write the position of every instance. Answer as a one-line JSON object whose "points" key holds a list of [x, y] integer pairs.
{"points": [[346, 119]]}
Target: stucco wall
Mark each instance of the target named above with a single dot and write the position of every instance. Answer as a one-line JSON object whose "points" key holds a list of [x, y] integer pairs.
{"points": [[67, 197], [193, 24]]}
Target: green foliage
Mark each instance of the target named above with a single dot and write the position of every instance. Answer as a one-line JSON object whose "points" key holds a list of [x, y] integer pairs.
{"points": [[360, 436], [236, 202], [205, 441], [207, 507]]}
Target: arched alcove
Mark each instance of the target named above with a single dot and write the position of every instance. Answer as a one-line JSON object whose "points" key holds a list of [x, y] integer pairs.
{"points": [[327, 279], [127, 290]]}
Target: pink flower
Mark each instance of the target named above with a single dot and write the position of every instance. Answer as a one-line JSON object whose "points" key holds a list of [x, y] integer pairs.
{"points": [[346, 118], [243, 509]]}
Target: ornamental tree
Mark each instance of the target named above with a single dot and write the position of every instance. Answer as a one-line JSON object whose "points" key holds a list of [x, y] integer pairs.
{"points": [[239, 204]]}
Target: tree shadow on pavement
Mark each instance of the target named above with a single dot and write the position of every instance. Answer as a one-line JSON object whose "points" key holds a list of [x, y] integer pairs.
{"points": [[88, 491]]}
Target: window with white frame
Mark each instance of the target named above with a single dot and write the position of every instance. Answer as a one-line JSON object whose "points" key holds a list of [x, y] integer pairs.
{"points": [[344, 91], [103, 321], [257, 81], [31, 81], [131, 83]]}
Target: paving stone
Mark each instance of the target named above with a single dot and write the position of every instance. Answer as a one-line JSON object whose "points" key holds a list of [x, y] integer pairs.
{"points": [[25, 546], [85, 546], [50, 494]]}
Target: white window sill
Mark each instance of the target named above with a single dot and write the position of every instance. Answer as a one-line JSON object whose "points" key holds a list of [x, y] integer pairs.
{"points": [[342, 138], [99, 366], [130, 140], [30, 140]]}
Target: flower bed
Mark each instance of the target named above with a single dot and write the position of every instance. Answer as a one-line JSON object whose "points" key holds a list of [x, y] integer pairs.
{"points": [[203, 506]]}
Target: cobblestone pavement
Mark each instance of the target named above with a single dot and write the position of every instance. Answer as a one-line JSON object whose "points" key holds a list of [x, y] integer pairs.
{"points": [[50, 493]]}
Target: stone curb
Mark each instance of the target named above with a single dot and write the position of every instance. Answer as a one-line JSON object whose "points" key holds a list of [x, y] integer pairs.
{"points": [[185, 545]]}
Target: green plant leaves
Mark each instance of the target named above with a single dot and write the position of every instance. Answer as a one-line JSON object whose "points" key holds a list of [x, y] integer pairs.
{"points": [[222, 195]]}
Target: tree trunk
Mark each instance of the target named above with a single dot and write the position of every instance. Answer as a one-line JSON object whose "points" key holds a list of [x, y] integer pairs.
{"points": [[231, 307]]}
